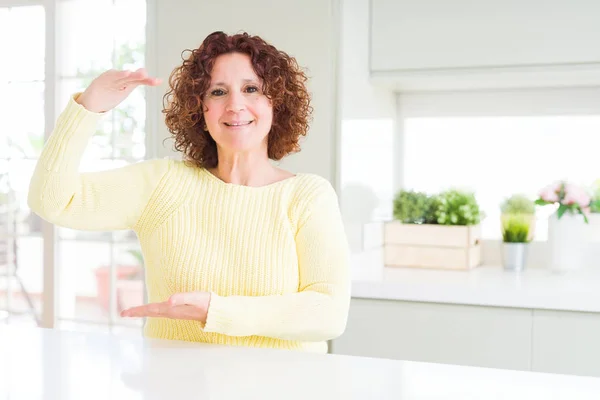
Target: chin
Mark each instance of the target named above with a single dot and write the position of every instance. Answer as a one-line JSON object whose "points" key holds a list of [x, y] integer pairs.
{"points": [[242, 147]]}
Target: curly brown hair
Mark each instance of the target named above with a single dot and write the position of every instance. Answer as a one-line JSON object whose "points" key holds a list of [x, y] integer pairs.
{"points": [[283, 83]]}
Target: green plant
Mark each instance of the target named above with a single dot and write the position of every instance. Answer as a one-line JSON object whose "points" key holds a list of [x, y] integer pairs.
{"points": [[595, 203], [137, 254], [412, 207], [457, 207], [430, 215], [515, 229], [139, 257], [518, 204]]}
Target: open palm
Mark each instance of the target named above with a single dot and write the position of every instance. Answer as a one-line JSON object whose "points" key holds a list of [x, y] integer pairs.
{"points": [[110, 88], [190, 306]]}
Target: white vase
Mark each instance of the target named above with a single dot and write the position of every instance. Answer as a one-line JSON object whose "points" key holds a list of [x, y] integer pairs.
{"points": [[567, 239]]}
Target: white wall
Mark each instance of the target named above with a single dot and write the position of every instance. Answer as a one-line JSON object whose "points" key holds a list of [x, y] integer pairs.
{"points": [[484, 44], [367, 129], [433, 34], [360, 99], [305, 29], [551, 101]]}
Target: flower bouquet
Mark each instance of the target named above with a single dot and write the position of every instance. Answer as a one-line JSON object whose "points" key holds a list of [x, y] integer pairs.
{"points": [[567, 236], [571, 198]]}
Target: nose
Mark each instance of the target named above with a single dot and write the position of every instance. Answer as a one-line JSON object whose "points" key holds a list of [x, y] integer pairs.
{"points": [[235, 102]]}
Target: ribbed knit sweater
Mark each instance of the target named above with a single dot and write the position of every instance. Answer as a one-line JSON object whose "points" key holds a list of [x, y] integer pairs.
{"points": [[274, 258]]}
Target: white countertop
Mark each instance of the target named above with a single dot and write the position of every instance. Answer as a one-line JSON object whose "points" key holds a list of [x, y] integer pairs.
{"points": [[487, 286], [48, 364]]}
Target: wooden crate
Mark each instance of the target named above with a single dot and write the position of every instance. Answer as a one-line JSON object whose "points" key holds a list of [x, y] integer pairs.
{"points": [[432, 246]]}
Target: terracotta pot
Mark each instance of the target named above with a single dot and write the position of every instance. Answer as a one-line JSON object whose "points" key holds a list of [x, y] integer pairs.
{"points": [[130, 293], [123, 272]]}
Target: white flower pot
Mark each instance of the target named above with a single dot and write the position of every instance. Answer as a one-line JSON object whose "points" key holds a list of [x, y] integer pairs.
{"points": [[593, 228], [567, 238]]}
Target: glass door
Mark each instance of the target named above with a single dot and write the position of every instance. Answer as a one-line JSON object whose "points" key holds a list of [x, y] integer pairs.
{"points": [[100, 273], [89, 276], [22, 85]]}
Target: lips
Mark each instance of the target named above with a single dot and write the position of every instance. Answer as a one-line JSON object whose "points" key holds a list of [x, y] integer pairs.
{"points": [[237, 123]]}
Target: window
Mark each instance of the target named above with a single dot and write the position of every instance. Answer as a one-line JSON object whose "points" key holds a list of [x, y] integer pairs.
{"points": [[367, 156], [101, 272], [22, 44], [498, 156], [98, 272]]}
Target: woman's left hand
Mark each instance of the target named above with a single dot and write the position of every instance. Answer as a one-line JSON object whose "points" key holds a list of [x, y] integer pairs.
{"points": [[191, 305]]}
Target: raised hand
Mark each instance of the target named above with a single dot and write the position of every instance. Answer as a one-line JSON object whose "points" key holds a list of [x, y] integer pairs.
{"points": [[110, 88], [191, 306]]}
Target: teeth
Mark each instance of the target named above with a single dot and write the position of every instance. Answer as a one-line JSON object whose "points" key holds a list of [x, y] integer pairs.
{"points": [[238, 123]]}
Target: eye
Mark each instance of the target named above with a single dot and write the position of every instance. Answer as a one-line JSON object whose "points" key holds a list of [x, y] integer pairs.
{"points": [[217, 92], [252, 89]]}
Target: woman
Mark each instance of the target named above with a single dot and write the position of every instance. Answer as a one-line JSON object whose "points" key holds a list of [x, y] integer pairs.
{"points": [[236, 250]]}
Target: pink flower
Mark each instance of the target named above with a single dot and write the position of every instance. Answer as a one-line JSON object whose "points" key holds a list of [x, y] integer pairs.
{"points": [[550, 192], [576, 195], [586, 210]]}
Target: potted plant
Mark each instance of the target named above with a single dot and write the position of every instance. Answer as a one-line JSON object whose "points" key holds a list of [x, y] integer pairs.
{"points": [[130, 290], [519, 204], [515, 238], [412, 207], [434, 231], [129, 283], [567, 225], [457, 208]]}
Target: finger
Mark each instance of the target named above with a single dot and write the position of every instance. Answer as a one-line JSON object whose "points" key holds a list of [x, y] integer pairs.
{"points": [[185, 312], [132, 84], [191, 298], [148, 310], [140, 76], [149, 81], [134, 312], [128, 76], [121, 76]]}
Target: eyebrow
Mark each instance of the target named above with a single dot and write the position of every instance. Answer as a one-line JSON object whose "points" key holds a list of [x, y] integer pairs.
{"points": [[245, 81]]}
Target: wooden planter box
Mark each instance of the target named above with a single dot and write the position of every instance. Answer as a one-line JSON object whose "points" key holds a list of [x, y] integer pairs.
{"points": [[432, 246]]}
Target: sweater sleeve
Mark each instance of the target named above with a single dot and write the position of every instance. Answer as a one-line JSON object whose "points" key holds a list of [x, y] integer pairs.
{"points": [[107, 200], [319, 310]]}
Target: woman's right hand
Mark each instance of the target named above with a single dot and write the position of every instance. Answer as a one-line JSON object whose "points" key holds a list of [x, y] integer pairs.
{"points": [[110, 88]]}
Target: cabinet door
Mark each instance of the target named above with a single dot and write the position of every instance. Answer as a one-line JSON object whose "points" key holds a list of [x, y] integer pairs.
{"points": [[441, 333], [566, 342]]}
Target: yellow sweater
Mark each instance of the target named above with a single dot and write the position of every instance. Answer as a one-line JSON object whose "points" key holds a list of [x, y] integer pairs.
{"points": [[275, 258]]}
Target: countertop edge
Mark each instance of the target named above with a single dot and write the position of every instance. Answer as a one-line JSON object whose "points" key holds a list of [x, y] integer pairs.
{"points": [[536, 291], [358, 294]]}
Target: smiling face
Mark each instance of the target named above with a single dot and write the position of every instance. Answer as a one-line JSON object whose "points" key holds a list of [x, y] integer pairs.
{"points": [[237, 113]]}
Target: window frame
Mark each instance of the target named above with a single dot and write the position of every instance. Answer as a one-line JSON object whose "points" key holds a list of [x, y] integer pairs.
{"points": [[565, 101], [51, 283]]}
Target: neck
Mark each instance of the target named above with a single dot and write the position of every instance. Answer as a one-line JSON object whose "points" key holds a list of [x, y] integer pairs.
{"points": [[244, 169]]}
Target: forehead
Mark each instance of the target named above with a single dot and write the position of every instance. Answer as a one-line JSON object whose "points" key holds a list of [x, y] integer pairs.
{"points": [[232, 67]]}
